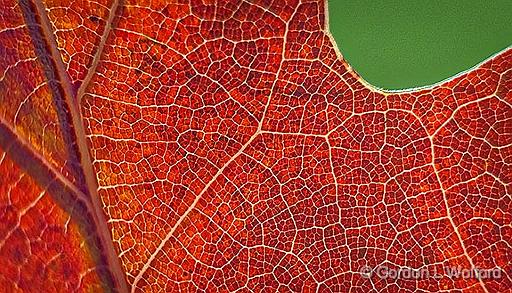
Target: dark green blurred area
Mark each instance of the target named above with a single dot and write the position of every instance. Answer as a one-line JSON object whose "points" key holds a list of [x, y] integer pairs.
{"points": [[401, 44]]}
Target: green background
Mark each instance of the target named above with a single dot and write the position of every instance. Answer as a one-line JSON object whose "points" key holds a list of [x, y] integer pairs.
{"points": [[396, 44]]}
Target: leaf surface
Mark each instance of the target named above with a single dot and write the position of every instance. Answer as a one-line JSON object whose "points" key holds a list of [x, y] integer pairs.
{"points": [[227, 146]]}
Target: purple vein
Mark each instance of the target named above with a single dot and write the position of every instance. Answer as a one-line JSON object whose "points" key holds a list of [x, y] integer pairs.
{"points": [[7, 133], [85, 160]]}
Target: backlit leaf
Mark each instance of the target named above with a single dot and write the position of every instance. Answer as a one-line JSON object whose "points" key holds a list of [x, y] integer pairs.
{"points": [[222, 146]]}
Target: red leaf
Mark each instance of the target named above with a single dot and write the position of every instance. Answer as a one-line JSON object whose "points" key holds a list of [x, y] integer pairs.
{"points": [[227, 146]]}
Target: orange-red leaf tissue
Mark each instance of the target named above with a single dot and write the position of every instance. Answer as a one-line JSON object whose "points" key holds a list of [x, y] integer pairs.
{"points": [[226, 146]]}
